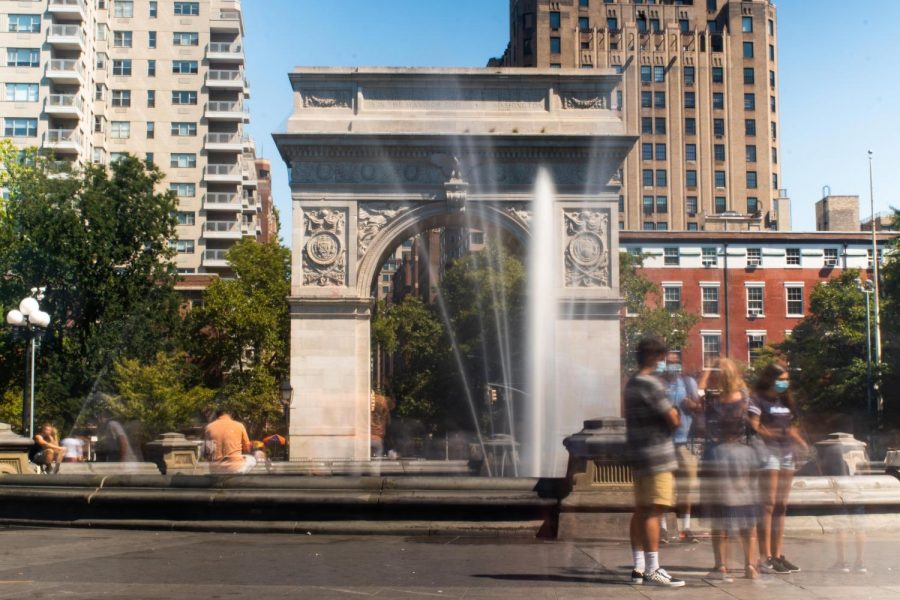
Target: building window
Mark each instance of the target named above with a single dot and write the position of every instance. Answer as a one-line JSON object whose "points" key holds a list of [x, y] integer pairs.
{"points": [[185, 218], [748, 49], [151, 39], [21, 92], [747, 24], [584, 23], [691, 205], [151, 98], [752, 205], [684, 25], [148, 159], [659, 74], [690, 126], [772, 52], [718, 101], [120, 130], [648, 205], [794, 294], [612, 24], [689, 75], [646, 124], [184, 129], [831, 257], [755, 344], [792, 256], [711, 349], [661, 178], [709, 296], [869, 257], [751, 180], [151, 130], [690, 152], [183, 160], [649, 226], [184, 190], [641, 23], [122, 39], [655, 26], [662, 204], [719, 127], [659, 99], [749, 76], [23, 57], [184, 246], [153, 9], [670, 257], [754, 257], [115, 157], [184, 97], [660, 152], [775, 157], [774, 181], [672, 297], [584, 3], [123, 8], [187, 8], [99, 120], [19, 127], [719, 152], [690, 100], [184, 67], [750, 153], [646, 73], [720, 204], [720, 179], [755, 301], [121, 98], [660, 125], [646, 151], [772, 79], [708, 256], [774, 127], [646, 99], [749, 101], [621, 203], [121, 67], [151, 68], [749, 126], [24, 24], [693, 227], [554, 19], [647, 177], [718, 74], [185, 38], [690, 178], [555, 45]]}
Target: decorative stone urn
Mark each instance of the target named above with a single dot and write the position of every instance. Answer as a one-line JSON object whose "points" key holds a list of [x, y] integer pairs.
{"points": [[14, 452], [853, 451], [172, 452]]}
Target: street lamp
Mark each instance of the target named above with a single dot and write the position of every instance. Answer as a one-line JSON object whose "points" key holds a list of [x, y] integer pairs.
{"points": [[34, 322], [867, 288], [287, 395], [875, 266]]}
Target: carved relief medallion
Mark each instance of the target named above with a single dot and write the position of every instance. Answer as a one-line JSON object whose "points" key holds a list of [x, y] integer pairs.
{"points": [[327, 99], [324, 255], [583, 101], [587, 256], [372, 218]]}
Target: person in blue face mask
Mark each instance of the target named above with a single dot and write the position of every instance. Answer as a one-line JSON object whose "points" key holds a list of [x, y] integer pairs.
{"points": [[775, 421]]}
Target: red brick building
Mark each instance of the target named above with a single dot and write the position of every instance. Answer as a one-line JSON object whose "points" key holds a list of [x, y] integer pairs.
{"points": [[749, 288]]}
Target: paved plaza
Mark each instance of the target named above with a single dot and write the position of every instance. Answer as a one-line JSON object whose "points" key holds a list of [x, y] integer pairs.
{"points": [[80, 563]]}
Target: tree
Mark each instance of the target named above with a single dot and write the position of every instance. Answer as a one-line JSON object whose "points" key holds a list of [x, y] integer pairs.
{"points": [[99, 240], [890, 329], [645, 318]]}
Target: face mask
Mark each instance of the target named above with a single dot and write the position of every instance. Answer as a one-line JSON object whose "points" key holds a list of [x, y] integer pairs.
{"points": [[674, 368], [782, 385], [661, 366]]}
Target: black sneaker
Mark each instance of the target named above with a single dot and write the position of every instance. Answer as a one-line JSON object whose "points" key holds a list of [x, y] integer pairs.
{"points": [[637, 578], [780, 567], [772, 566], [791, 567], [660, 578]]}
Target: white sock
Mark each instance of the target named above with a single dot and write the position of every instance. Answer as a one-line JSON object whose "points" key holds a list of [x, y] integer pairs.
{"points": [[652, 560], [638, 557], [663, 526], [685, 522]]}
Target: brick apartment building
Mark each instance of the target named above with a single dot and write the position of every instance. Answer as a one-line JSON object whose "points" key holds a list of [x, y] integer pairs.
{"points": [[749, 288]]}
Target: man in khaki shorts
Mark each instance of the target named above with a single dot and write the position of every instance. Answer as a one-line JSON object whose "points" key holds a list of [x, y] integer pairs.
{"points": [[650, 420]]}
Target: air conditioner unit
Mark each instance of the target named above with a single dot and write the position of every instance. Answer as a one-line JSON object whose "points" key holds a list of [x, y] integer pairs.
{"points": [[709, 262], [754, 312], [752, 262]]}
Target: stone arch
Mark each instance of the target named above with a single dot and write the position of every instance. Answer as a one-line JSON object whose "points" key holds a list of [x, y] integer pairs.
{"points": [[428, 216]]}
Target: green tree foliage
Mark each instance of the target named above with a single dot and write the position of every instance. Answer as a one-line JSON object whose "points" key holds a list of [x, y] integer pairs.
{"points": [[645, 315], [890, 328], [162, 395], [99, 240], [239, 335]]}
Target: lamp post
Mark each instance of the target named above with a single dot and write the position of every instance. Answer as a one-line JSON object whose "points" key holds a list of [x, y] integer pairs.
{"points": [[34, 322], [875, 267], [866, 288], [287, 395]]}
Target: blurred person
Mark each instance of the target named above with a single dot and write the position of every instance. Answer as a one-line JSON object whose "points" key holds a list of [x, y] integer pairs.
{"points": [[727, 407], [775, 421], [113, 444], [228, 444], [47, 451], [74, 449], [650, 420], [684, 396], [381, 419]]}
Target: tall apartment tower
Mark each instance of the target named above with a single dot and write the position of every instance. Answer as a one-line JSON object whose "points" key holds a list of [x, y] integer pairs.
{"points": [[700, 84], [161, 79]]}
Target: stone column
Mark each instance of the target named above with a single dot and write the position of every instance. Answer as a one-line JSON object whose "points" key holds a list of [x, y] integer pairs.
{"points": [[330, 375], [14, 452]]}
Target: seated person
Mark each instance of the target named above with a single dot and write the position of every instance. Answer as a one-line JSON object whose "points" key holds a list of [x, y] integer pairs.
{"points": [[46, 450]]}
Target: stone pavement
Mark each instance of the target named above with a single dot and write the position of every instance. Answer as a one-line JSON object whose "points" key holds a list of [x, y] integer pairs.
{"points": [[80, 563]]}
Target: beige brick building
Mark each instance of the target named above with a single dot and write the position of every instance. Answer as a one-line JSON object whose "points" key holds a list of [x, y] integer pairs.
{"points": [[700, 85], [161, 79]]}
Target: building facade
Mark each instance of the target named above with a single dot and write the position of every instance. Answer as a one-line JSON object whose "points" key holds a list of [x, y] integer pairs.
{"points": [[749, 289], [268, 221], [700, 84], [91, 80]]}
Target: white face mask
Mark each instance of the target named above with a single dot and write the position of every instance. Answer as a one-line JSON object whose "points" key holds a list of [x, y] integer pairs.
{"points": [[661, 366]]}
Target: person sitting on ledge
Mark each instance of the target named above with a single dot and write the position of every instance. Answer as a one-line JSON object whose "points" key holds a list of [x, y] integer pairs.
{"points": [[227, 443], [46, 451]]}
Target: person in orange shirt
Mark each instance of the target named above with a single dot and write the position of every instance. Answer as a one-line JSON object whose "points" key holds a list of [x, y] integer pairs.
{"points": [[227, 443]]}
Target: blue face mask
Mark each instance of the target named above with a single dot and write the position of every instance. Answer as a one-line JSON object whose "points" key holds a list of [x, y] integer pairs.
{"points": [[782, 385], [674, 369], [661, 366]]}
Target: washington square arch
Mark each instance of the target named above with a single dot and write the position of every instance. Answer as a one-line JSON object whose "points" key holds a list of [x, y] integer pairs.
{"points": [[378, 155]]}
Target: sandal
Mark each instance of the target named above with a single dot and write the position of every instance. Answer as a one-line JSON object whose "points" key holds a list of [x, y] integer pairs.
{"points": [[750, 572]]}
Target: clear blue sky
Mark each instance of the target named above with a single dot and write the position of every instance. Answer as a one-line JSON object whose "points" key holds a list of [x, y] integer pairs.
{"points": [[837, 79]]}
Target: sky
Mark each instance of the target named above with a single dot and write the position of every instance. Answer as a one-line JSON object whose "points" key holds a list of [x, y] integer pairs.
{"points": [[836, 78]]}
